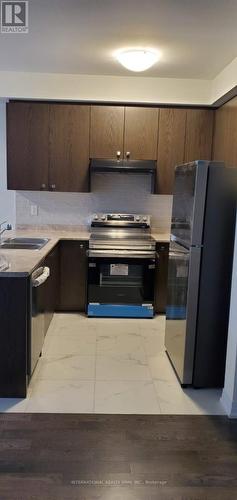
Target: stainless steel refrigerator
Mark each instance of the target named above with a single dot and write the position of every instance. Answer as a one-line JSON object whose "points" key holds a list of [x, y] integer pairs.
{"points": [[199, 273]]}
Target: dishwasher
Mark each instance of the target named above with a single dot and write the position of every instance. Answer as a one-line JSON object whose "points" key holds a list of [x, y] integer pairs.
{"points": [[36, 316]]}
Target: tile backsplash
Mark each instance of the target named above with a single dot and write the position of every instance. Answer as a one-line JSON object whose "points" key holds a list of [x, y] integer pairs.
{"points": [[123, 194]]}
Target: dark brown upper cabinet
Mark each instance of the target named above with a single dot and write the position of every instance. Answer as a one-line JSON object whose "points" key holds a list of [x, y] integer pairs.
{"points": [[27, 145], [131, 131], [69, 147], [106, 131], [48, 146], [199, 133], [140, 133], [171, 143], [225, 133]]}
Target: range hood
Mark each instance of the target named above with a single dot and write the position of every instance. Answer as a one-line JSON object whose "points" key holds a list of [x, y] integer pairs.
{"points": [[147, 167], [127, 166]]}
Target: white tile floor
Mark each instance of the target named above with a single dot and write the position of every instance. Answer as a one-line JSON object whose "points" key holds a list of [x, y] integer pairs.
{"points": [[109, 366]]}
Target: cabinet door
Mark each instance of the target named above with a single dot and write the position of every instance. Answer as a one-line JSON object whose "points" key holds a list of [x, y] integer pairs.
{"points": [[161, 277], [170, 147], [141, 133], [69, 147], [225, 132], [199, 132], [73, 275], [106, 132], [27, 146]]}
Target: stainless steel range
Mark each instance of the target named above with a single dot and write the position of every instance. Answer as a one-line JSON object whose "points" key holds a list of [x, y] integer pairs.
{"points": [[121, 266]]}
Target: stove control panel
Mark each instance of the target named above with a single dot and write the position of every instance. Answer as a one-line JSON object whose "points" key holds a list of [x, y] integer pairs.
{"points": [[121, 219]]}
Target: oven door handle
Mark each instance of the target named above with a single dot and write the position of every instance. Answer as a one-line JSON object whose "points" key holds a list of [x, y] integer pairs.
{"points": [[121, 254]]}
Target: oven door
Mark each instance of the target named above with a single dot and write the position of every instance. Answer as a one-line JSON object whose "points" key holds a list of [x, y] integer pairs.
{"points": [[121, 285]]}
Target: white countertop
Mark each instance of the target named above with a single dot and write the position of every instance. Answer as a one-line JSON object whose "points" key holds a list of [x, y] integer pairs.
{"points": [[160, 237], [23, 262]]}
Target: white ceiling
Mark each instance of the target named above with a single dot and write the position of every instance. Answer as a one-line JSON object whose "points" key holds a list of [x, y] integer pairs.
{"points": [[198, 38]]}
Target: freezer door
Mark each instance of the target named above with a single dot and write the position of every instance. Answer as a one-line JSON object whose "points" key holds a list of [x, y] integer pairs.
{"points": [[189, 202], [181, 311]]}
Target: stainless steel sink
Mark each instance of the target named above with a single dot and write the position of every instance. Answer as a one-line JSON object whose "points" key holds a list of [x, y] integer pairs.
{"points": [[24, 243]]}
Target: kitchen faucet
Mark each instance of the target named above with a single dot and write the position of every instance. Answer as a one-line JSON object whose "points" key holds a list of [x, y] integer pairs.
{"points": [[2, 230]]}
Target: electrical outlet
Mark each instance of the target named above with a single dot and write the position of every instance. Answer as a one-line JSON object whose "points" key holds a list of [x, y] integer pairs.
{"points": [[33, 210]]}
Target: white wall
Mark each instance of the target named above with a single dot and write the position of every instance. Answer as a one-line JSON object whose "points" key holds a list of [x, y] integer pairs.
{"points": [[7, 198], [117, 88], [104, 88], [229, 395], [225, 81]]}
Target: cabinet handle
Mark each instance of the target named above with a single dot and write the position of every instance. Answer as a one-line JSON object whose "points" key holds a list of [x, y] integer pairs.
{"points": [[128, 155], [118, 154], [43, 186], [81, 246], [53, 187]]}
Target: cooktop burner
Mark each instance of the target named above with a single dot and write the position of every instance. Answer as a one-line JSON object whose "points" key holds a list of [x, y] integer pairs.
{"points": [[121, 231]]}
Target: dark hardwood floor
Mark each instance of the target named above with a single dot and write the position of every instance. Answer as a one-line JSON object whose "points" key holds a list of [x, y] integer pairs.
{"points": [[117, 457]]}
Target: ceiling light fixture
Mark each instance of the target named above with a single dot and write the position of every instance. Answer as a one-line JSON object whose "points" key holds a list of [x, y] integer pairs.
{"points": [[138, 59]]}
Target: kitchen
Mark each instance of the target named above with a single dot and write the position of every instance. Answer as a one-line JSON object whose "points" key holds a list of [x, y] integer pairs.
{"points": [[82, 239], [118, 250]]}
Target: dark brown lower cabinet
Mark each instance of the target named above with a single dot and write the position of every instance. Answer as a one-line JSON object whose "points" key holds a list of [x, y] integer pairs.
{"points": [[73, 276], [161, 277], [14, 306]]}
